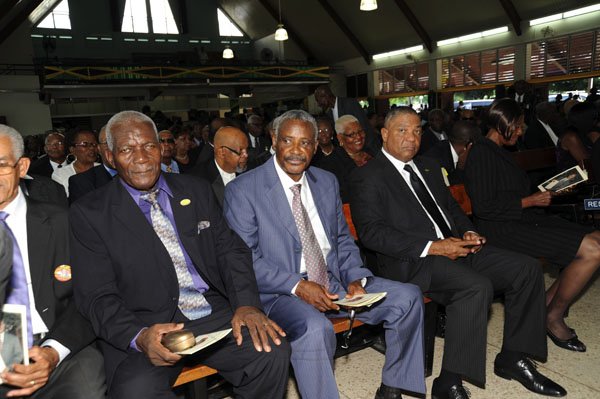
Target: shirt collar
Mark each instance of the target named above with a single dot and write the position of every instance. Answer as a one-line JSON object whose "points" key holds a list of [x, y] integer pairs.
{"points": [[111, 171], [222, 172], [161, 184], [285, 180], [17, 206], [398, 164], [454, 154]]}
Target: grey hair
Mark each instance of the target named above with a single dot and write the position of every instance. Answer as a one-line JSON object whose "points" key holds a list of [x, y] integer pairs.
{"points": [[16, 139], [295, 114], [402, 110], [342, 121], [53, 133], [126, 117]]}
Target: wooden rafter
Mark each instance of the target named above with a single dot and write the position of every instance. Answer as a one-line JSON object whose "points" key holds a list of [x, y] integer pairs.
{"points": [[513, 15], [340, 23], [415, 24], [6, 29]]}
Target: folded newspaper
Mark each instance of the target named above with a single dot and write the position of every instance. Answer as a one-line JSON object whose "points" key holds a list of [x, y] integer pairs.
{"points": [[564, 180], [359, 301], [203, 341]]}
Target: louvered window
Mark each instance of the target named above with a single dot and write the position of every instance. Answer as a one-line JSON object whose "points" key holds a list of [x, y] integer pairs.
{"points": [[404, 79], [485, 67]]}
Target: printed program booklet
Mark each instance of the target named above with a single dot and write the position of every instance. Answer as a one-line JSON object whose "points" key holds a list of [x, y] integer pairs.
{"points": [[359, 301], [564, 180], [203, 341]]}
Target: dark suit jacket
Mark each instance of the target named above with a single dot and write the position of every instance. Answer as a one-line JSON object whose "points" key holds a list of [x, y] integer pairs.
{"points": [[350, 106], [6, 261], [260, 153], [536, 136], [428, 141], [442, 153], [341, 165], [390, 221], [44, 189], [48, 237], [83, 183], [125, 279], [41, 166], [208, 170], [206, 153]]}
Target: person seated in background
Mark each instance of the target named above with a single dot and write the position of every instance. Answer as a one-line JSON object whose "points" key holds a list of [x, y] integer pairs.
{"points": [[152, 253], [435, 132], [545, 127], [349, 155], [167, 150], [208, 151], [231, 159], [82, 183], [575, 145], [83, 147], [55, 157], [64, 362], [403, 211], [259, 141], [290, 215], [452, 153], [512, 217], [183, 145], [33, 147], [324, 140]]}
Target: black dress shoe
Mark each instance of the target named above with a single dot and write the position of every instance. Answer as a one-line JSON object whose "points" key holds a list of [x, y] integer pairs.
{"points": [[572, 344], [526, 373], [456, 391], [385, 392]]}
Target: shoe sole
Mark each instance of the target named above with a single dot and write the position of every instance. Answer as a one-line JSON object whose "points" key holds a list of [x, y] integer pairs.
{"points": [[507, 376]]}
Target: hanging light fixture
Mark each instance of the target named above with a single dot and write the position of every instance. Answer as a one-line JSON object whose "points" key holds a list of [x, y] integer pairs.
{"points": [[368, 5], [227, 53], [280, 34]]}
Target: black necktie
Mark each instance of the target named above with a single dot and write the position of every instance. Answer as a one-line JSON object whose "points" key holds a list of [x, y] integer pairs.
{"points": [[428, 201]]}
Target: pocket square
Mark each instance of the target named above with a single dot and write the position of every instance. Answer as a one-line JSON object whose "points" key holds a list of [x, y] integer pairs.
{"points": [[204, 224]]}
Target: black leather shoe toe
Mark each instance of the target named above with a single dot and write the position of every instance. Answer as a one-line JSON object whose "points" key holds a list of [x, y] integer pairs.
{"points": [[456, 391], [526, 373], [572, 344], [385, 392]]}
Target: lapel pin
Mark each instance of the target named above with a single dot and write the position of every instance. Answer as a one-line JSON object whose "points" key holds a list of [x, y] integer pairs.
{"points": [[185, 202], [62, 273]]}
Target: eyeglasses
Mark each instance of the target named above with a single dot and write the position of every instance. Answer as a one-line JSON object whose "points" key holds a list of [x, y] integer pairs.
{"points": [[8, 169], [103, 143], [168, 141], [55, 144], [238, 153], [355, 135], [326, 130], [86, 144]]}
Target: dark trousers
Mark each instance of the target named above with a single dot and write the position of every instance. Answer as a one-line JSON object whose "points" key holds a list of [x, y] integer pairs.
{"points": [[467, 286], [253, 374]]}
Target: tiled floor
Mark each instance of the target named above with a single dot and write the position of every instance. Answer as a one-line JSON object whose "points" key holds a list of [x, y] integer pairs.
{"points": [[359, 374]]}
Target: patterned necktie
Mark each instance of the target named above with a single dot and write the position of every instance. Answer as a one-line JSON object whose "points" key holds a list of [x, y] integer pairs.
{"points": [[191, 302], [19, 293], [428, 201], [316, 269]]}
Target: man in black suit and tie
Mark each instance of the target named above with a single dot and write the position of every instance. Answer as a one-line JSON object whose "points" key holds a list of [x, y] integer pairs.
{"points": [[434, 133], [541, 131], [152, 253], [403, 211], [56, 156], [82, 183], [63, 362], [452, 153], [231, 158], [334, 107]]}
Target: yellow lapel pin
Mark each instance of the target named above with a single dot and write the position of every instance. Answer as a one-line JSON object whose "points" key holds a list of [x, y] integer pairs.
{"points": [[185, 202]]}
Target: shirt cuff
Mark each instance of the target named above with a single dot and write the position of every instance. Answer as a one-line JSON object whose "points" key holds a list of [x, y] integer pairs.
{"points": [[62, 350], [426, 250], [363, 281], [132, 344]]}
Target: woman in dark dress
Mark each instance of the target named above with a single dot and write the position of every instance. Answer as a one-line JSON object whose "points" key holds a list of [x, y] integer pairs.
{"points": [[324, 140], [513, 218]]}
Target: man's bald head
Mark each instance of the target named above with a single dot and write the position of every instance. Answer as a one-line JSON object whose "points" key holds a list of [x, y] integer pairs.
{"points": [[231, 149]]}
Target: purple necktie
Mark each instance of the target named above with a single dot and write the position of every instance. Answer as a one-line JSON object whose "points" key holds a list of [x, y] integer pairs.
{"points": [[18, 292]]}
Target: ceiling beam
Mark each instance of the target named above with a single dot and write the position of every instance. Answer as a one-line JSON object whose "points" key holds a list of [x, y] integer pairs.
{"points": [[267, 6], [340, 23], [415, 24], [513, 15], [6, 6], [6, 29]]}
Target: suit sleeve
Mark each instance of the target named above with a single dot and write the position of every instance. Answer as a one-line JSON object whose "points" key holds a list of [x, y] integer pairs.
{"points": [[271, 278], [79, 186], [95, 284], [369, 214], [486, 185]]}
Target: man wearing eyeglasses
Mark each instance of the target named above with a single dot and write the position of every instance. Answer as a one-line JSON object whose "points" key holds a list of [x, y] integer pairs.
{"points": [[167, 149], [62, 362], [55, 158], [230, 159]]}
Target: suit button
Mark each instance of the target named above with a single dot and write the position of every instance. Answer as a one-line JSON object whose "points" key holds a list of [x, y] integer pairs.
{"points": [[174, 298]]}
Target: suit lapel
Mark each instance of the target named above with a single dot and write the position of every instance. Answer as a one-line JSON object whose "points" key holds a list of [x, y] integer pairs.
{"points": [[319, 197], [278, 200]]}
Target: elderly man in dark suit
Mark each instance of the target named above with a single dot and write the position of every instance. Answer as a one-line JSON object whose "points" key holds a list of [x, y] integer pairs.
{"points": [[63, 363], [403, 211], [82, 183], [56, 156], [231, 158], [334, 107], [152, 253]]}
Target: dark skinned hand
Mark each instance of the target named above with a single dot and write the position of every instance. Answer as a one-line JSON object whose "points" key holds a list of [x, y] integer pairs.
{"points": [[470, 236], [259, 326], [355, 288], [453, 247], [148, 341], [541, 198], [316, 295], [30, 378]]}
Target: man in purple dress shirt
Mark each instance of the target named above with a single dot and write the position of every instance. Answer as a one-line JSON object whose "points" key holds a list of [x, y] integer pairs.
{"points": [[153, 254]]}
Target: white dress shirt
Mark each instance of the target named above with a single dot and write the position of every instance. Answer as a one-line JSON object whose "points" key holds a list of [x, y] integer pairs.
{"points": [[454, 154], [62, 175], [549, 130], [55, 164], [440, 135], [17, 221], [335, 110], [399, 165], [226, 176]]}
